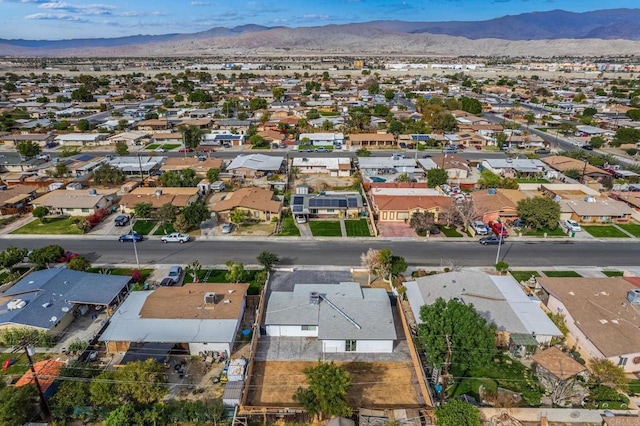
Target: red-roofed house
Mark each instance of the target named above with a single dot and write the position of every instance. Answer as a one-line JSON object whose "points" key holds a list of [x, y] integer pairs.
{"points": [[47, 372]]}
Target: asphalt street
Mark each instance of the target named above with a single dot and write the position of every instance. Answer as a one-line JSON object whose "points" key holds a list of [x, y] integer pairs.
{"points": [[341, 252]]}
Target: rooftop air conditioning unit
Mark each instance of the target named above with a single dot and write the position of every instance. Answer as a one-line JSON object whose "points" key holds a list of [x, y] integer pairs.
{"points": [[210, 298], [633, 296]]}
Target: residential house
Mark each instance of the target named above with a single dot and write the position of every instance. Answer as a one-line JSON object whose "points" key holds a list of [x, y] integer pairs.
{"points": [[564, 164], [76, 202], [327, 204], [600, 314], [514, 167], [255, 165], [457, 167], [258, 203], [47, 372], [200, 123], [327, 140], [222, 139], [129, 138], [233, 125], [16, 199], [50, 299], [398, 202], [158, 197], [338, 315], [172, 138], [196, 317], [332, 166], [371, 140], [201, 167], [593, 210], [493, 204], [41, 139], [555, 369], [140, 165], [82, 139], [498, 299], [388, 169], [154, 125]]}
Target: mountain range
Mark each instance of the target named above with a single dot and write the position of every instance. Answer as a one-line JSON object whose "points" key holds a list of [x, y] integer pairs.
{"points": [[557, 32]]}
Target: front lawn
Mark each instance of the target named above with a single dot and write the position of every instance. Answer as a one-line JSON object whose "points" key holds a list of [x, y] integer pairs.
{"points": [[289, 228], [325, 228], [632, 228], [218, 276], [169, 146], [57, 226], [152, 146], [604, 231], [357, 228], [449, 232], [561, 274], [167, 228], [613, 273], [20, 366], [556, 232], [143, 227], [523, 275], [127, 272], [535, 180]]}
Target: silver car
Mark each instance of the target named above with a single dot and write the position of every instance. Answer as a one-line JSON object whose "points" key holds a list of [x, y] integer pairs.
{"points": [[175, 237]]}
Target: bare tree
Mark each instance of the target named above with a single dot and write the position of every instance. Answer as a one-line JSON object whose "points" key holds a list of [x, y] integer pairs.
{"points": [[562, 390], [465, 211], [371, 261]]}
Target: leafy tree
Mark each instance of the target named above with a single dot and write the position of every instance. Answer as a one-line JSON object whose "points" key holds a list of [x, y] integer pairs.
{"points": [[436, 177], [82, 94], [445, 122], [268, 259], [488, 179], [589, 112], [278, 93], [326, 391], [626, 135], [166, 213], [66, 151], [471, 105], [108, 174], [573, 173], [567, 128], [181, 224], [257, 141], [501, 266], [597, 142], [45, 255], [191, 136], [72, 393], [122, 149], [389, 94], [422, 222], [391, 265], [141, 382], [539, 212], [457, 412], [28, 149], [125, 414], [235, 272], [83, 125], [184, 178], [11, 256], [456, 325], [403, 177], [363, 152], [212, 174], [41, 213], [59, 171], [501, 139], [17, 405], [605, 372], [196, 213], [634, 114], [78, 263], [257, 103], [200, 96], [238, 216], [143, 210]]}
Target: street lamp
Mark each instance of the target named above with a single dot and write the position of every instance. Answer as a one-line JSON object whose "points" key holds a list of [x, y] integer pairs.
{"points": [[499, 240], [135, 249]]}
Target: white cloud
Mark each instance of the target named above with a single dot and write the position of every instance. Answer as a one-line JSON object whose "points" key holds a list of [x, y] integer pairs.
{"points": [[56, 16], [316, 16], [200, 3]]}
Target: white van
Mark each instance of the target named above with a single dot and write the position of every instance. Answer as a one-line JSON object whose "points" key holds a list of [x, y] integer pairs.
{"points": [[217, 186]]}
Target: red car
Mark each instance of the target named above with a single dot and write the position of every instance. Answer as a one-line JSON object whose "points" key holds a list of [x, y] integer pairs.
{"points": [[185, 150], [498, 229], [207, 149], [67, 256]]}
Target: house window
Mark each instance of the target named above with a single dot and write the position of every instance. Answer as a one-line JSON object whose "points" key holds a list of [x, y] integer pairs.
{"points": [[350, 345], [85, 210], [622, 361], [309, 328], [331, 210], [586, 218]]}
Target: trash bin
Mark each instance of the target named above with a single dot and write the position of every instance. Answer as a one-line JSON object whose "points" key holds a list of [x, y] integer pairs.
{"points": [[573, 234]]}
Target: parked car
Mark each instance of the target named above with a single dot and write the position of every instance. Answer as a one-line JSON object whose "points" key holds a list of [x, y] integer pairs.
{"points": [[227, 228], [159, 149], [410, 146], [175, 237], [175, 274], [167, 282], [121, 220], [185, 149], [542, 151], [130, 237], [571, 225], [449, 150], [480, 227], [493, 239], [519, 223], [403, 145], [301, 219], [67, 256], [498, 229], [322, 150], [587, 147], [305, 150], [45, 157], [207, 149]]}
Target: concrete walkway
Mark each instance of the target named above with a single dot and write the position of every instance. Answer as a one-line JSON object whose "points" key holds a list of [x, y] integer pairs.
{"points": [[343, 228]]}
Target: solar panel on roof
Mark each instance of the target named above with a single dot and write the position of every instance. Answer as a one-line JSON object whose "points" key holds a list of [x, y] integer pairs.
{"points": [[352, 202], [297, 209], [85, 157], [420, 137], [298, 200]]}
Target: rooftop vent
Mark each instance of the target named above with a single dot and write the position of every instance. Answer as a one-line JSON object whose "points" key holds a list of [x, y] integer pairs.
{"points": [[314, 298], [16, 304], [158, 192], [633, 296]]}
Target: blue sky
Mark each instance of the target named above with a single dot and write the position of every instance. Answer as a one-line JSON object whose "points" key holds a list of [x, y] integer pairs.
{"points": [[53, 20]]}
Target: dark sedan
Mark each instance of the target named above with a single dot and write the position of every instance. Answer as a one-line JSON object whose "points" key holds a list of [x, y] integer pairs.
{"points": [[130, 237], [491, 240]]}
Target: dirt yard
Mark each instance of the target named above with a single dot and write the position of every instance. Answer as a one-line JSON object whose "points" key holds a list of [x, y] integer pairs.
{"points": [[374, 384], [323, 182]]}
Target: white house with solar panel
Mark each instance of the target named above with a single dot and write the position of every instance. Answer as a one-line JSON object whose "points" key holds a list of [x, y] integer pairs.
{"points": [[326, 204], [344, 317]]}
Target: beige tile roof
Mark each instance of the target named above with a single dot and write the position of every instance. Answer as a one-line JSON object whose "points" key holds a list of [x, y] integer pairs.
{"points": [[249, 198], [558, 363], [600, 310], [71, 199], [407, 203]]}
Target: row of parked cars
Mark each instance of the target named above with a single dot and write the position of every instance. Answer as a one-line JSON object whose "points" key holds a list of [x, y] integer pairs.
{"points": [[496, 229]]}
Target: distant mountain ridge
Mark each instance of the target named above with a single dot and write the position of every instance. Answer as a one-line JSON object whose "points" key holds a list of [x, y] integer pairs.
{"points": [[510, 32]]}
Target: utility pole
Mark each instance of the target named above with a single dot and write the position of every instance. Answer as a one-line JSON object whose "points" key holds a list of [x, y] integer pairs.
{"points": [[44, 407]]}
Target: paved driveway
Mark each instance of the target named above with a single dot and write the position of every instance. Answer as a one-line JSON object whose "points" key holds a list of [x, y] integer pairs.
{"points": [[394, 229]]}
